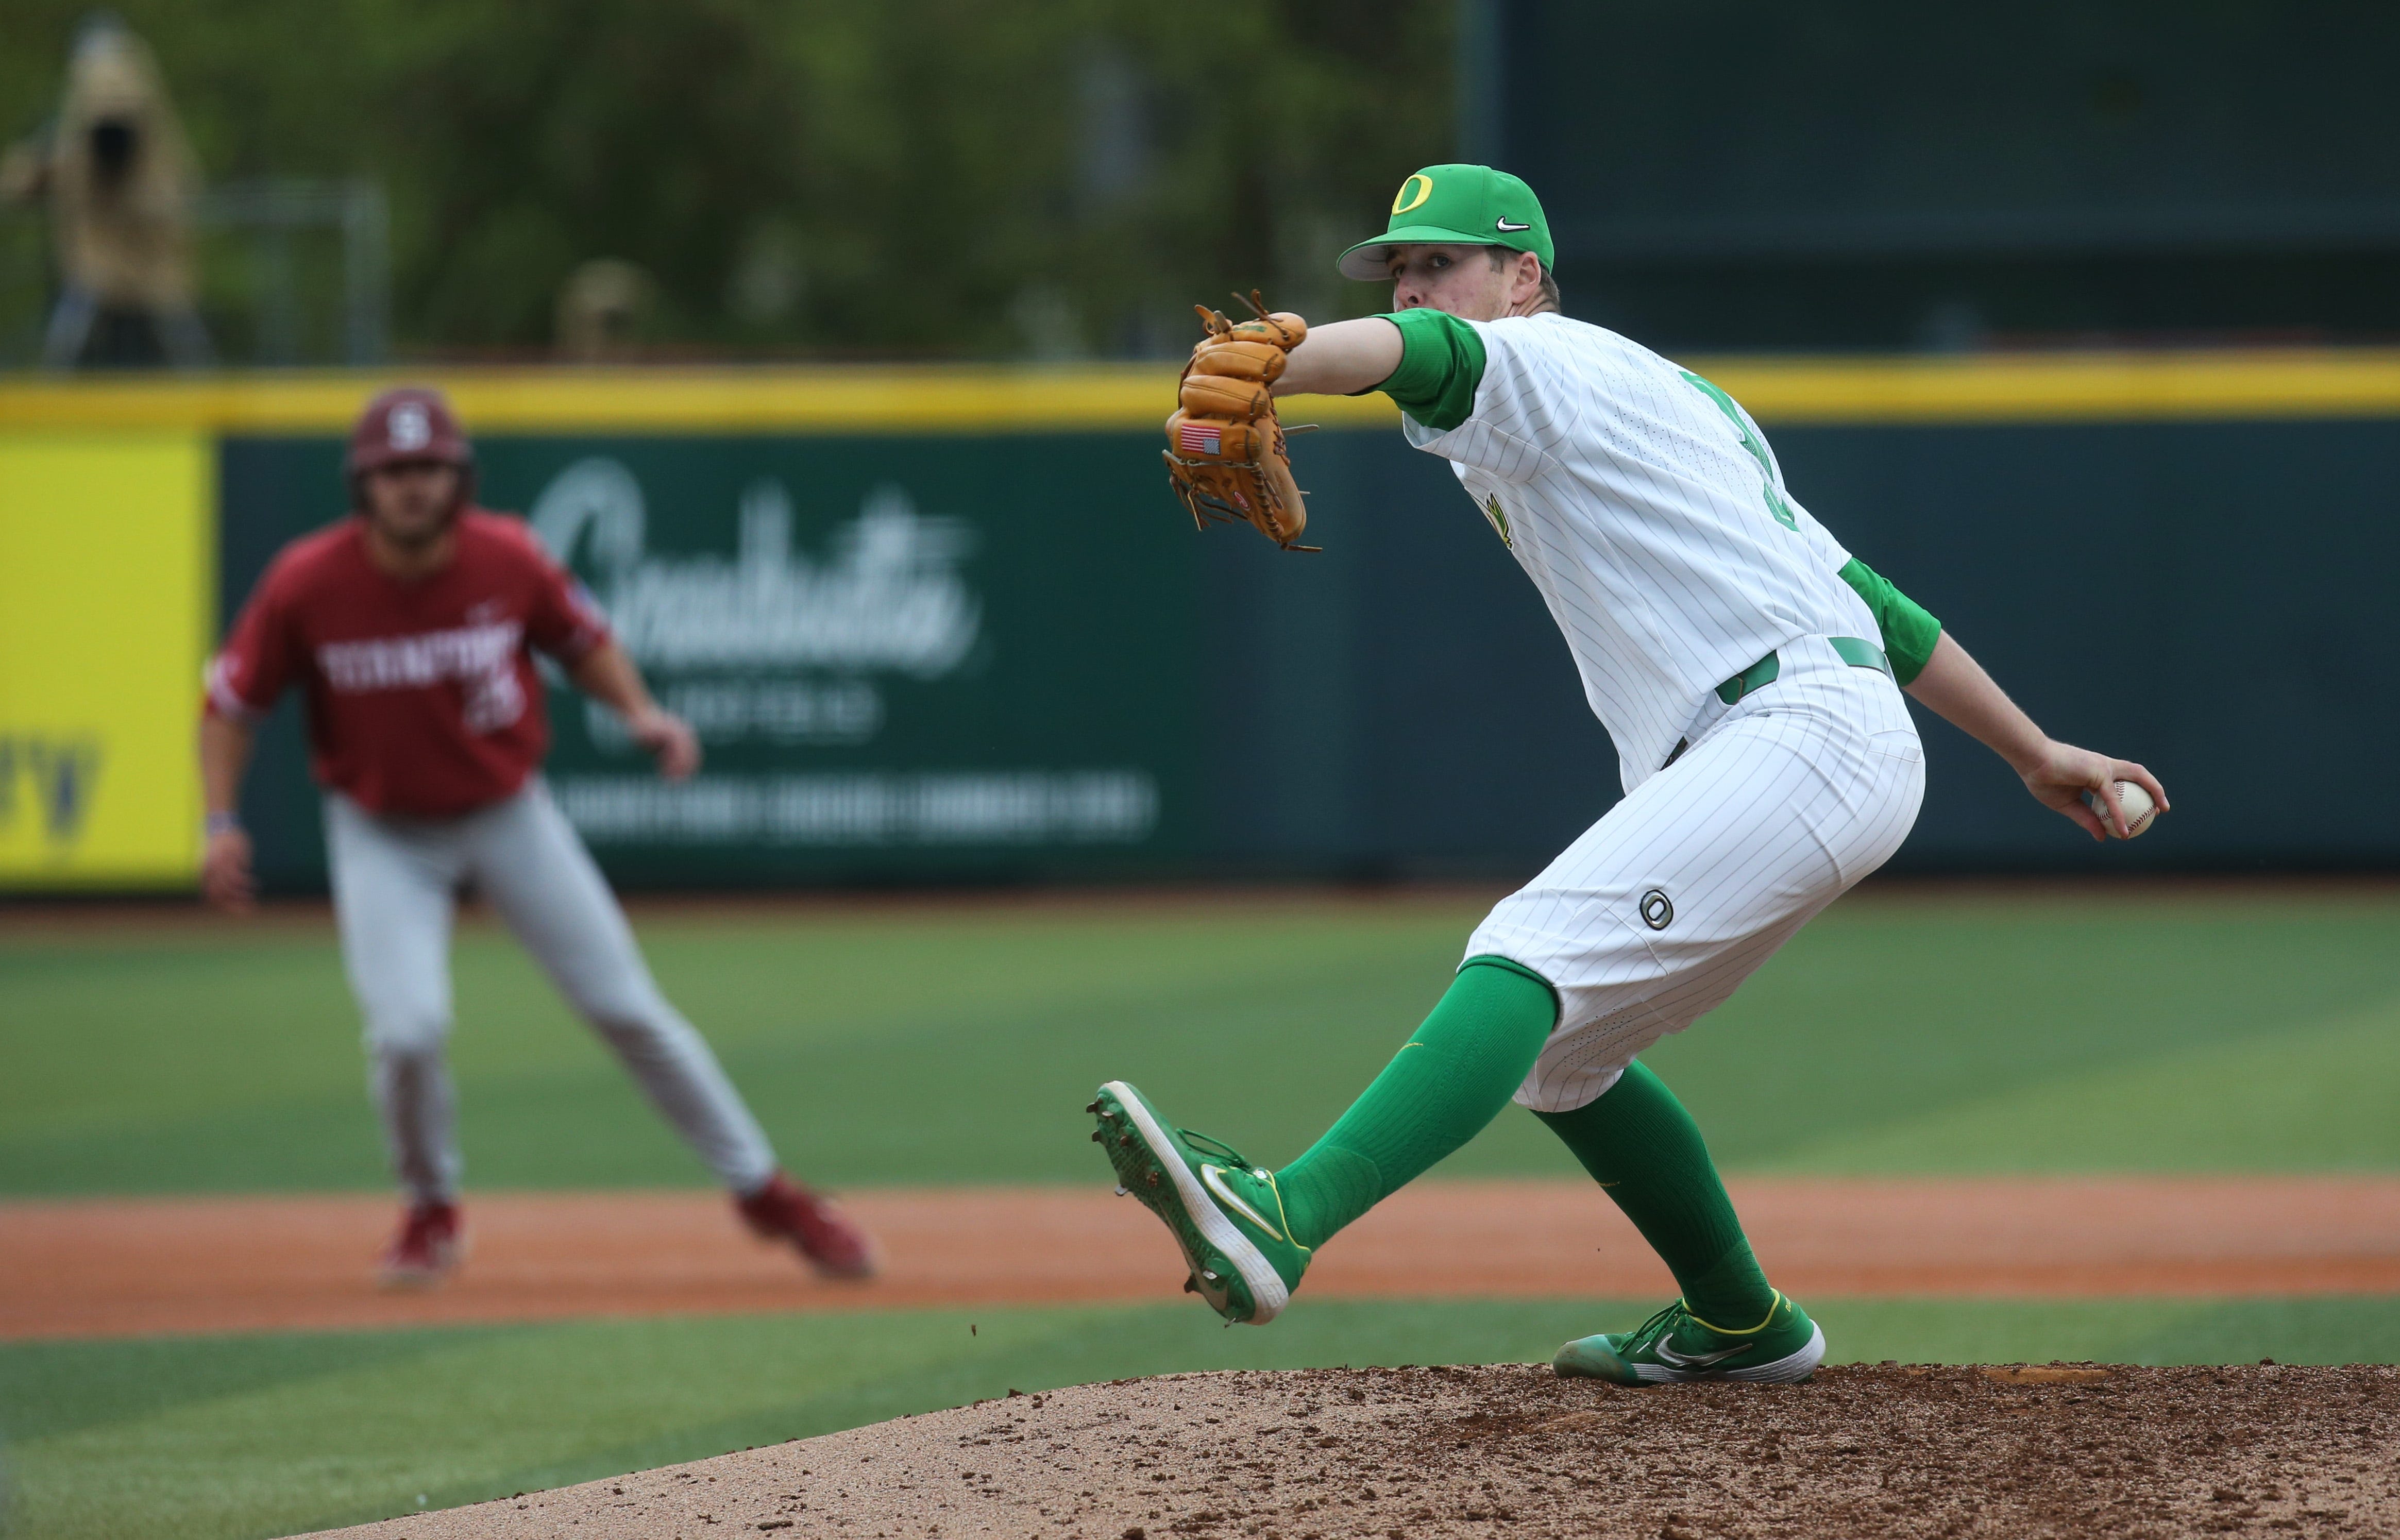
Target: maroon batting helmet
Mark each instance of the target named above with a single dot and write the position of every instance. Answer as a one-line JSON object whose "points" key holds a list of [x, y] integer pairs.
{"points": [[410, 423]]}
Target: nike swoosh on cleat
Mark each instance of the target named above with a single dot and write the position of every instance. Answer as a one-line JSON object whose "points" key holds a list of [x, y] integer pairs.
{"points": [[1214, 1176], [1667, 1354]]}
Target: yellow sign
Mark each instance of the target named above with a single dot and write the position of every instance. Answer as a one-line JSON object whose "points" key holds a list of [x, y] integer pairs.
{"points": [[107, 560]]}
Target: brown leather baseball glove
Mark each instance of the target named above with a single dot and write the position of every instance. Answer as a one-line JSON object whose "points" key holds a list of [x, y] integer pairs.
{"points": [[1225, 455]]}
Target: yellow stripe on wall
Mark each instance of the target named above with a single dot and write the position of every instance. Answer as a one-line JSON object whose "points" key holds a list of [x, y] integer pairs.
{"points": [[2068, 388], [2022, 387], [831, 400]]}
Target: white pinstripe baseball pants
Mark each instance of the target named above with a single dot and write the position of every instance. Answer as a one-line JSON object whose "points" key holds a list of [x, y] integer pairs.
{"points": [[1654, 916]]}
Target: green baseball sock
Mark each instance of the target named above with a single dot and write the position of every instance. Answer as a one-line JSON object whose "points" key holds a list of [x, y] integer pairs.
{"points": [[1447, 1080], [1640, 1144]]}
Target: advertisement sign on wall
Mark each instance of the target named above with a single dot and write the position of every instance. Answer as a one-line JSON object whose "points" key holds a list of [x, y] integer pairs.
{"points": [[104, 611], [892, 663]]}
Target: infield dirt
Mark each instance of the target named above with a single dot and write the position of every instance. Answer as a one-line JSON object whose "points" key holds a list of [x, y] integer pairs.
{"points": [[2051, 1450], [127, 1267]]}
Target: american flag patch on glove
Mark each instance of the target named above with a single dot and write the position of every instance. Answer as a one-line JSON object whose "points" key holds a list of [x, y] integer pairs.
{"points": [[1202, 438]]}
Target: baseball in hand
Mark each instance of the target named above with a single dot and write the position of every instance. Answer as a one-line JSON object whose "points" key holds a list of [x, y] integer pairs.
{"points": [[2133, 802]]}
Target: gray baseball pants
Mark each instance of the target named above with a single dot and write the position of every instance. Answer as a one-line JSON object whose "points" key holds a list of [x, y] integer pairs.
{"points": [[396, 882]]}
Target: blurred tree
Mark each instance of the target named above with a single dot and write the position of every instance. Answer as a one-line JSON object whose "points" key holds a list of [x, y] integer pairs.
{"points": [[845, 177]]}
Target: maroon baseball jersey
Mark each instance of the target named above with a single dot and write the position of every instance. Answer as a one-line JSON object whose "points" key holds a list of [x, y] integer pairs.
{"points": [[423, 699]]}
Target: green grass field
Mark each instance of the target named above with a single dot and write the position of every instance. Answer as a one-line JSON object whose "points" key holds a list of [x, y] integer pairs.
{"points": [[1906, 1032]]}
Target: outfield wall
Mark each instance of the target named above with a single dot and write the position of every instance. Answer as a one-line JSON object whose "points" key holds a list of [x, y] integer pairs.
{"points": [[945, 624]]}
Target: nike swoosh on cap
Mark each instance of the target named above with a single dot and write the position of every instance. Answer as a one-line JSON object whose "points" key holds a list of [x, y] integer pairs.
{"points": [[1508, 226], [1231, 1199]]}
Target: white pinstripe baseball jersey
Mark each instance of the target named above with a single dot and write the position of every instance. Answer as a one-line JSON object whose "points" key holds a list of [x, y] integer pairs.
{"points": [[1648, 511]]}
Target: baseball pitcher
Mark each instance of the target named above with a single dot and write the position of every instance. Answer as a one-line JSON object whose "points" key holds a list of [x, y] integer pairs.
{"points": [[1749, 670], [409, 627]]}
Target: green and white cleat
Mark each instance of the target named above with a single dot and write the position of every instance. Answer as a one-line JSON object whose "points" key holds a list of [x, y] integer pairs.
{"points": [[1226, 1213], [1675, 1345]]}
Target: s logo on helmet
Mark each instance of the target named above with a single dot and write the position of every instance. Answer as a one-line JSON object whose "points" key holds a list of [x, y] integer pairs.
{"points": [[1402, 202], [408, 428], [1658, 909]]}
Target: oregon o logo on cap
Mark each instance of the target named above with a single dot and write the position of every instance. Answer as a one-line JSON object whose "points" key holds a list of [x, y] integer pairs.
{"points": [[1402, 202]]}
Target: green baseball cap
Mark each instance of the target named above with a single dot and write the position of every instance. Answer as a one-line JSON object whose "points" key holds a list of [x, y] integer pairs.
{"points": [[1455, 206]]}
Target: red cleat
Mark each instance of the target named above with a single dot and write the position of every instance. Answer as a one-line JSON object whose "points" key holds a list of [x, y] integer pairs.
{"points": [[783, 1210], [432, 1243]]}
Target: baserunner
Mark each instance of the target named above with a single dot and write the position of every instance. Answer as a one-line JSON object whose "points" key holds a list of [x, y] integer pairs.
{"points": [[1750, 671], [410, 626]]}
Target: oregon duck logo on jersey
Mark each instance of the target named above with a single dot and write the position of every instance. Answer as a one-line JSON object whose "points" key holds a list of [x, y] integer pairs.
{"points": [[1498, 520]]}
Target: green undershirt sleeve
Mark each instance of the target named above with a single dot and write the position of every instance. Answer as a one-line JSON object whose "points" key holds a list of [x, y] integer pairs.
{"points": [[1908, 631], [1441, 363]]}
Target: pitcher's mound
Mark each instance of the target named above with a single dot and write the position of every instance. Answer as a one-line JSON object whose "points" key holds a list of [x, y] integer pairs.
{"points": [[2056, 1450]]}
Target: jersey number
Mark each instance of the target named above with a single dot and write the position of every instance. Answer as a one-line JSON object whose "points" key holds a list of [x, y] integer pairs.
{"points": [[1775, 503]]}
